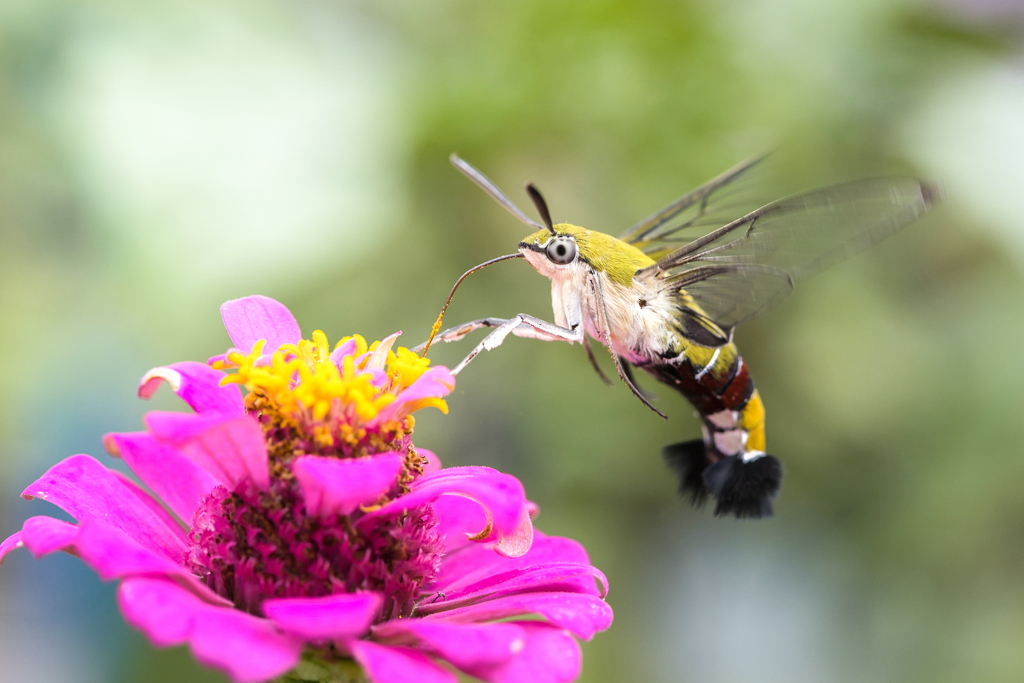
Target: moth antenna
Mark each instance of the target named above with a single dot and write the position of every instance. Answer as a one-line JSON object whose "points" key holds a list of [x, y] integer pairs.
{"points": [[542, 206], [444, 309], [485, 184]]}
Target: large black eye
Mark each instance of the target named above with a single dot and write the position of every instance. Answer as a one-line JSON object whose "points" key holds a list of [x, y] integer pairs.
{"points": [[561, 250]]}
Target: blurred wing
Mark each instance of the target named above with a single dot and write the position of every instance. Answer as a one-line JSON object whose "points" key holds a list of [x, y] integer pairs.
{"points": [[806, 233], [729, 294], [760, 255], [714, 203]]}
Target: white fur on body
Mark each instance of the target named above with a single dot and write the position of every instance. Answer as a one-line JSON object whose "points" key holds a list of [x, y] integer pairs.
{"points": [[638, 333]]}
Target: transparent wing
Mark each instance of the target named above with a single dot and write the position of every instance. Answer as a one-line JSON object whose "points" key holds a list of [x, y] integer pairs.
{"points": [[729, 294], [761, 254], [806, 233], [714, 203]]}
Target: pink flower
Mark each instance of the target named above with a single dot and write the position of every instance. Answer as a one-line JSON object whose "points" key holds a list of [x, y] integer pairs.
{"points": [[314, 529]]}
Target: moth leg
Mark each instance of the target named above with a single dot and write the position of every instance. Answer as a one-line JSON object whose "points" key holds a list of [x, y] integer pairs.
{"points": [[627, 368], [606, 339], [593, 363], [526, 326], [457, 333]]}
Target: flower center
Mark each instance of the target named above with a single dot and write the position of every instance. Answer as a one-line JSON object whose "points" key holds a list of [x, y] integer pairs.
{"points": [[311, 401], [251, 545]]}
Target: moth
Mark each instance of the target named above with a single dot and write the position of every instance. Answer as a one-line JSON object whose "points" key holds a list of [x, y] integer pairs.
{"points": [[668, 304]]}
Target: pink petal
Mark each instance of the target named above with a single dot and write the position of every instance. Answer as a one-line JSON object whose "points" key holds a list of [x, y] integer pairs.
{"points": [[472, 563], [159, 608], [198, 385], [85, 489], [379, 379], [178, 481], [459, 518], [44, 535], [221, 358], [500, 495], [245, 647], [335, 617], [154, 505], [12, 542], [232, 449], [517, 543], [581, 614], [550, 655], [563, 577], [436, 382], [346, 349], [111, 553], [470, 647], [252, 318], [433, 462], [331, 486], [386, 664]]}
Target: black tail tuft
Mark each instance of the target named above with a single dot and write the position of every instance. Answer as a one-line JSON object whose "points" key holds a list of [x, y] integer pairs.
{"points": [[744, 489], [689, 460]]}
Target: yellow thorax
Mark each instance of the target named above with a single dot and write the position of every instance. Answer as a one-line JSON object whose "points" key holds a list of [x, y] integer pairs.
{"points": [[605, 253]]}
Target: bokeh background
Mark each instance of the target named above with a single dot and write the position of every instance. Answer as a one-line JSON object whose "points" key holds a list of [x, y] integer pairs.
{"points": [[159, 157]]}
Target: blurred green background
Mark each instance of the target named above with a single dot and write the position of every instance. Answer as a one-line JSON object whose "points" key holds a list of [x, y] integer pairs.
{"points": [[158, 158]]}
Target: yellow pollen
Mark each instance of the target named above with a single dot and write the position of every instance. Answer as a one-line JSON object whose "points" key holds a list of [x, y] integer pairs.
{"points": [[302, 382]]}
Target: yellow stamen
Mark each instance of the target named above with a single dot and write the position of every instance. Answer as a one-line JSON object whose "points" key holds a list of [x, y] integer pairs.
{"points": [[302, 382]]}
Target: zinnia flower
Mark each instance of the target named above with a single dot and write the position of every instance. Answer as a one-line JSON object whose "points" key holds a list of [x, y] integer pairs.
{"points": [[297, 529]]}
